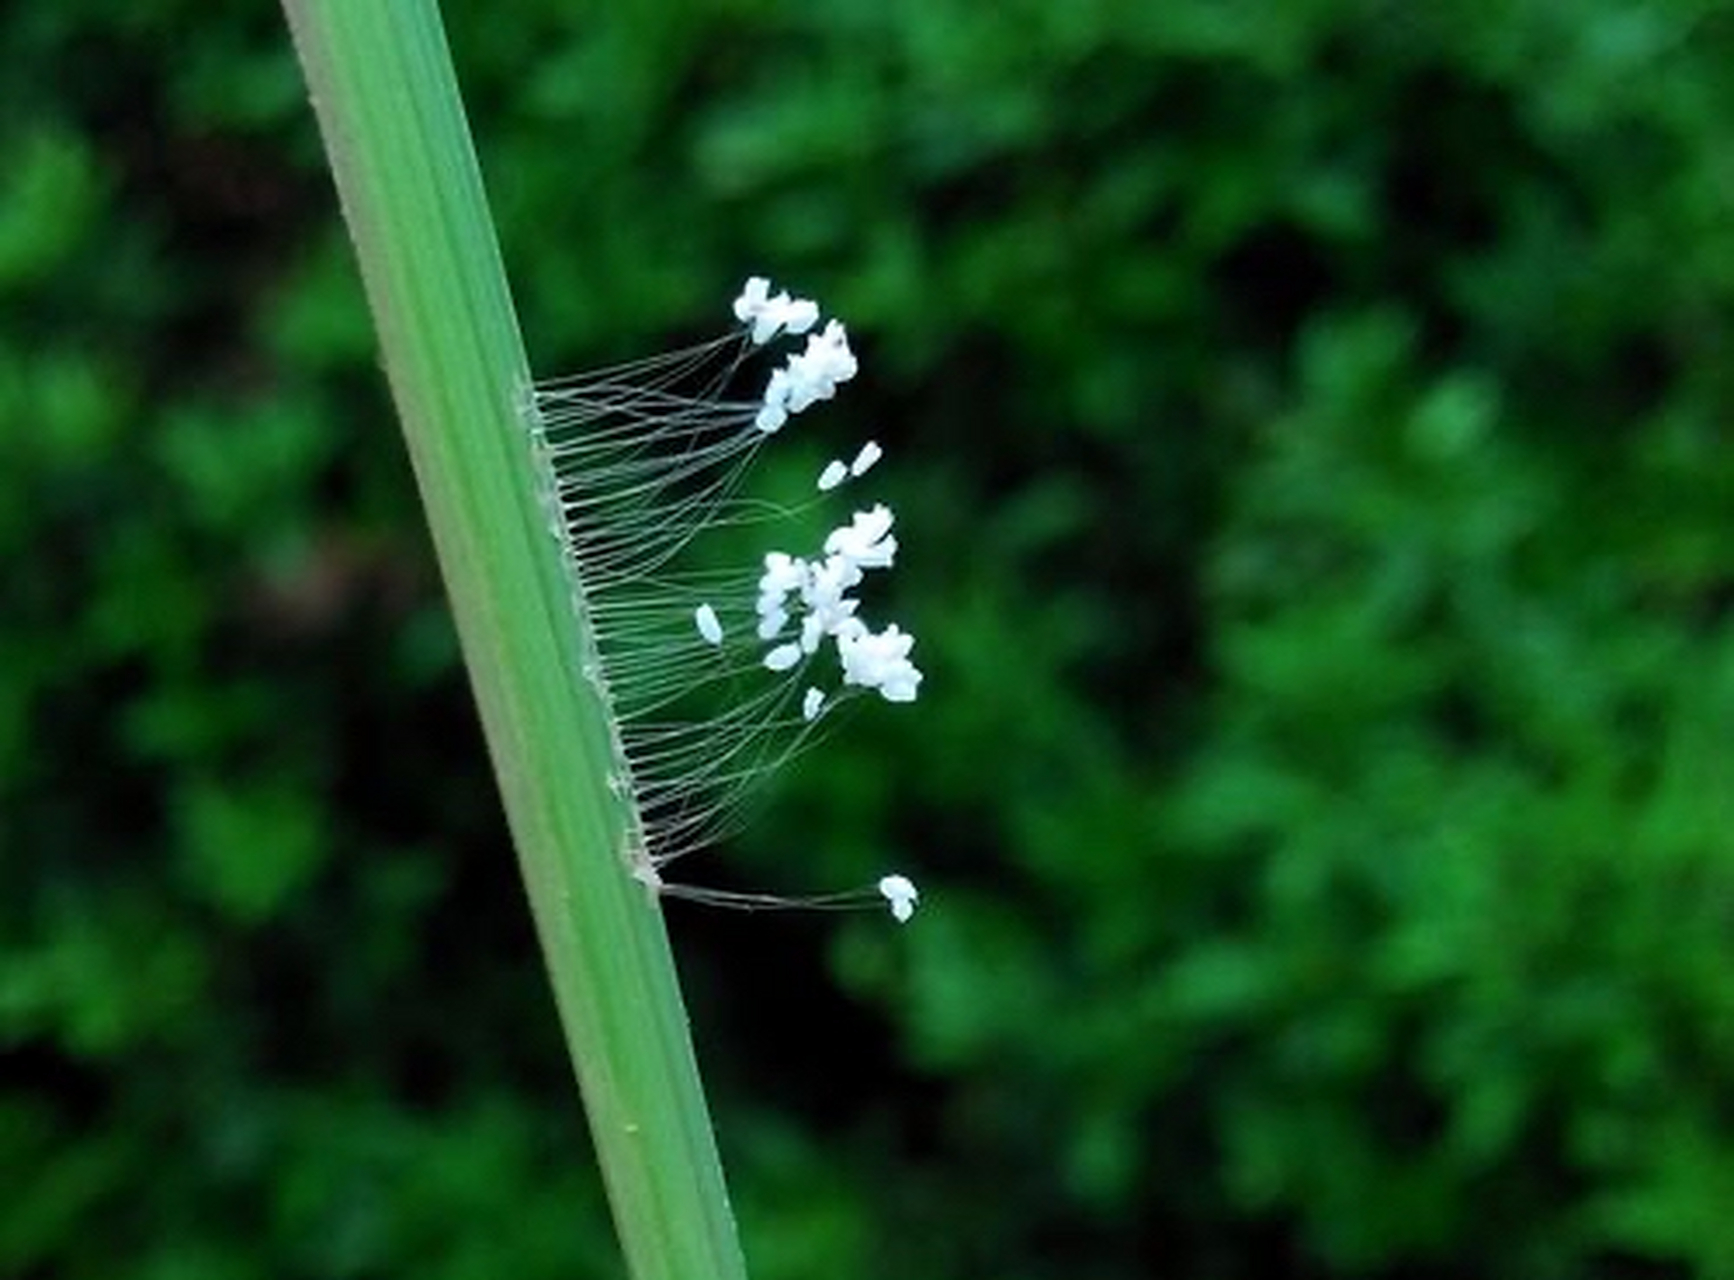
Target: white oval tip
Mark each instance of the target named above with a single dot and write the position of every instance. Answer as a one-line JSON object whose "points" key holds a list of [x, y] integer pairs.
{"points": [[708, 624], [833, 475], [901, 893], [782, 657]]}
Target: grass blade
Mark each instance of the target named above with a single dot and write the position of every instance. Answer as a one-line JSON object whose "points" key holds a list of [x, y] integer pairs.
{"points": [[400, 149]]}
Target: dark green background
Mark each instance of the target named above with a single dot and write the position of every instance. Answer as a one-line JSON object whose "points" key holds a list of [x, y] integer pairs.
{"points": [[1309, 426]]}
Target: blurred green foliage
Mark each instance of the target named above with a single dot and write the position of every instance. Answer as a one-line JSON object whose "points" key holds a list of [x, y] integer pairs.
{"points": [[1317, 421]]}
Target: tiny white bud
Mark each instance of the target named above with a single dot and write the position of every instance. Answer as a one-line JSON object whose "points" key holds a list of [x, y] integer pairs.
{"points": [[812, 631], [870, 453], [768, 321], [833, 475], [782, 657], [812, 704], [770, 418], [800, 315], [901, 893], [753, 296], [774, 410], [866, 541], [902, 686], [709, 625]]}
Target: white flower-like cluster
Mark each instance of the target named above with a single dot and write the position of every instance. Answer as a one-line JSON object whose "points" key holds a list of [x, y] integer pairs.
{"points": [[815, 593], [770, 315], [809, 375], [805, 603]]}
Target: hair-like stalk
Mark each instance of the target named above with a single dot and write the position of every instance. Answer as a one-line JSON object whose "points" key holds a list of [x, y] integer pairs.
{"points": [[718, 678]]}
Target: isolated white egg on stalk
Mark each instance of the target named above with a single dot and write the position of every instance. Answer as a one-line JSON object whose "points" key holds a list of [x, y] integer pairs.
{"points": [[708, 624], [901, 893]]}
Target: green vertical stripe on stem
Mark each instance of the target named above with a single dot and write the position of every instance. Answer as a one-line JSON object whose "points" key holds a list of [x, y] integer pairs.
{"points": [[394, 129]]}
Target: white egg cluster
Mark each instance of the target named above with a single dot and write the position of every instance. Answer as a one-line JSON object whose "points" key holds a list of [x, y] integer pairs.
{"points": [[643, 457], [809, 375]]}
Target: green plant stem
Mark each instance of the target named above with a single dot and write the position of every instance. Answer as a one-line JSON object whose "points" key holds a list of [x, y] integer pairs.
{"points": [[394, 129]]}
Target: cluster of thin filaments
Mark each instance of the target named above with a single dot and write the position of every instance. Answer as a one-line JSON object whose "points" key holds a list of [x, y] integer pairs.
{"points": [[645, 457]]}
